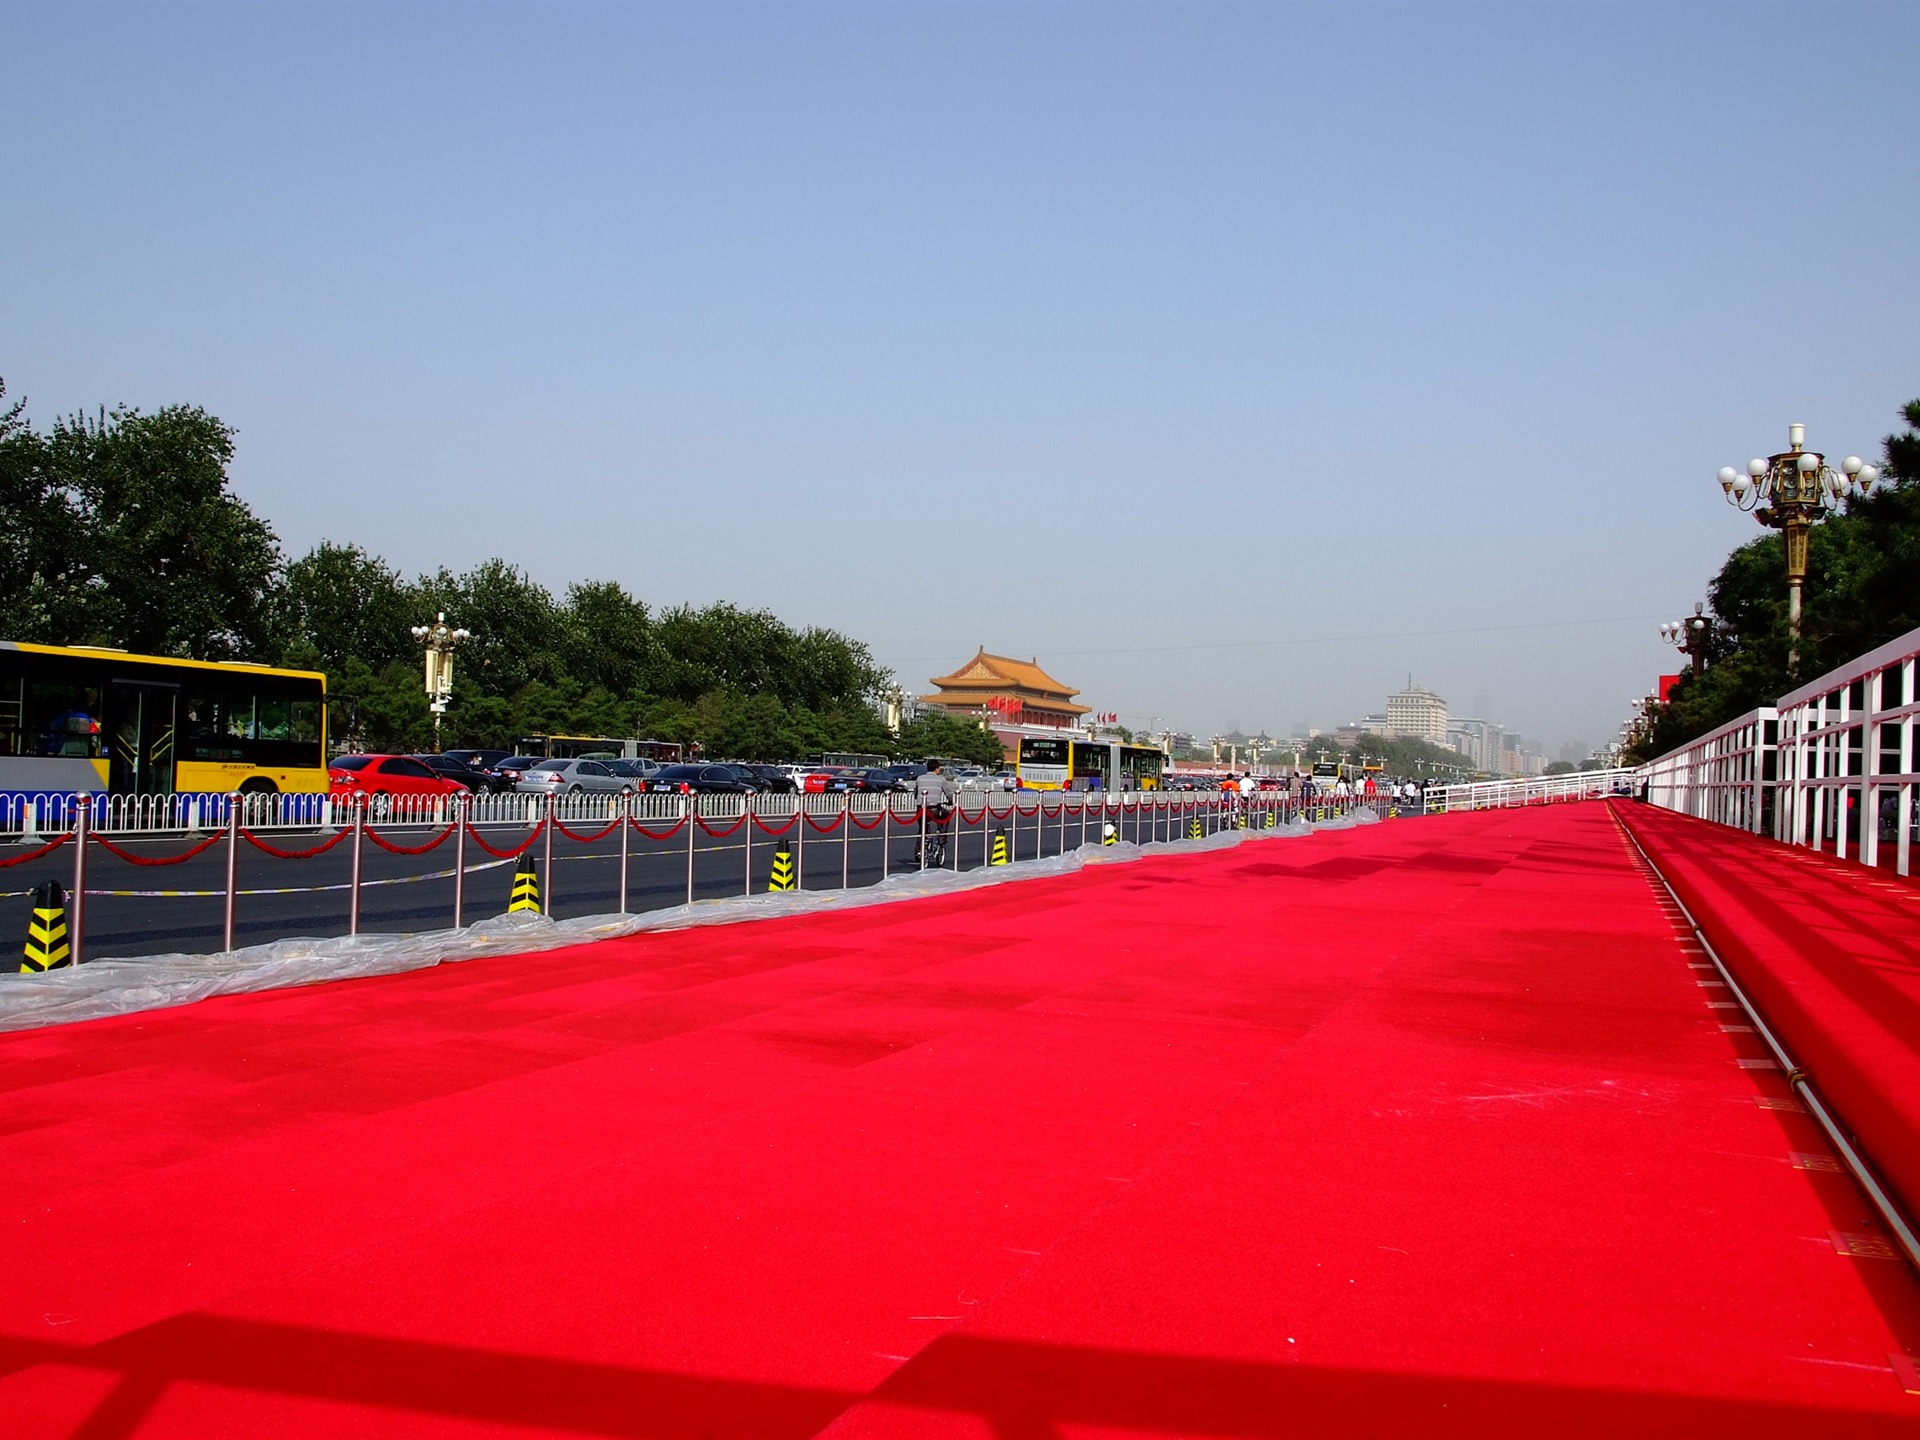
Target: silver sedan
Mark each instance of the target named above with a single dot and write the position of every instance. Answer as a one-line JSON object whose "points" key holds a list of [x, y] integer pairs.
{"points": [[573, 777]]}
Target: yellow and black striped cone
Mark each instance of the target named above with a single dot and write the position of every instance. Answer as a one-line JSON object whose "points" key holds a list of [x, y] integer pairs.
{"points": [[47, 931], [1196, 830], [526, 887], [1393, 812], [999, 855], [1271, 820], [782, 877], [1109, 836], [1240, 820]]}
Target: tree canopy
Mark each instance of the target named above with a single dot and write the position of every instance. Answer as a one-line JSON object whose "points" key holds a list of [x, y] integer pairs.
{"points": [[122, 529], [1862, 590]]}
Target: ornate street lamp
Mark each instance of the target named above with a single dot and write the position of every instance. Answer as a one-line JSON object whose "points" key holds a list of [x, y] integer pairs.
{"points": [[440, 639], [1789, 492], [1691, 636]]}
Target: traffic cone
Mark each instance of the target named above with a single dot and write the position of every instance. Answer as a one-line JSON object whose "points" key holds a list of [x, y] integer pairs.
{"points": [[47, 931], [1271, 820], [782, 878], [1393, 812], [1196, 830], [999, 855], [1109, 836], [526, 887]]}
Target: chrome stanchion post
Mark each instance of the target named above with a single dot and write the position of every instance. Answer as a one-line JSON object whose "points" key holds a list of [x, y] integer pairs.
{"points": [[546, 880], [233, 863], [746, 830], [353, 885], [690, 812], [923, 837], [886, 832], [77, 911], [626, 831], [846, 839], [462, 812]]}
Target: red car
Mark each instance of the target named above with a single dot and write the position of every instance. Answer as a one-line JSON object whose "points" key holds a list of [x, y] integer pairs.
{"points": [[386, 775]]}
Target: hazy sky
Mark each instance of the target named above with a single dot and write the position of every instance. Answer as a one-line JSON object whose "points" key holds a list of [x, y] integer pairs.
{"points": [[1238, 361]]}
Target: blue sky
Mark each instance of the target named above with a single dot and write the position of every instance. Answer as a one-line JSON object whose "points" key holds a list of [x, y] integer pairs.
{"points": [[1238, 361]]}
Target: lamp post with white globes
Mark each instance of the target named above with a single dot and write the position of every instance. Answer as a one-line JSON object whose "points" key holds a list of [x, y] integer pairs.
{"points": [[1789, 492], [439, 639], [1690, 636]]}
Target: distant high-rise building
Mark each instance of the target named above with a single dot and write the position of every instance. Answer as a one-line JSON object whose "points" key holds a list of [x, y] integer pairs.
{"points": [[1416, 713]]}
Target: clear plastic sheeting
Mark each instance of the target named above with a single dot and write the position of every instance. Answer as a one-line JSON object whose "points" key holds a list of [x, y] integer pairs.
{"points": [[105, 987]]}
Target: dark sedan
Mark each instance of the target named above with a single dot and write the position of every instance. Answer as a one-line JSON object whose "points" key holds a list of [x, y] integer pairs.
{"points": [[875, 781], [448, 767], [700, 779], [771, 778]]}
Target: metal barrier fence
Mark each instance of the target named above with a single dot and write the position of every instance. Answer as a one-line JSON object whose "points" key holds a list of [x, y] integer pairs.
{"points": [[1527, 790], [1832, 766], [1727, 776], [817, 833]]}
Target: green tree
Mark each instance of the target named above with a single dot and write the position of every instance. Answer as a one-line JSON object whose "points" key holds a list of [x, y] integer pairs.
{"points": [[43, 578], [339, 601], [175, 563], [949, 736]]}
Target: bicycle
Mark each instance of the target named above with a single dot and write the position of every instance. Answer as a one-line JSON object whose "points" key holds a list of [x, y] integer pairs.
{"points": [[931, 853]]}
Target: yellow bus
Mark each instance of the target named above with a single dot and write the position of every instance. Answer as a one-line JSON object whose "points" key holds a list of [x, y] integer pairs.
{"points": [[86, 718], [1046, 763]]}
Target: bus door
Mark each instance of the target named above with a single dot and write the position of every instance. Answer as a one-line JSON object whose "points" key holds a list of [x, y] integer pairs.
{"points": [[1092, 767], [140, 730]]}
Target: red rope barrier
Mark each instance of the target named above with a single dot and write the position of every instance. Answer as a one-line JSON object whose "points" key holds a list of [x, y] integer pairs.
{"points": [[766, 829], [279, 854], [180, 859], [46, 849], [612, 826], [393, 849], [966, 819], [513, 854], [833, 823], [721, 834], [878, 820], [912, 817], [671, 831]]}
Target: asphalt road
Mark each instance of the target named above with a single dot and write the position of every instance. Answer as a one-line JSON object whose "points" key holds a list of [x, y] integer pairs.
{"points": [[146, 910]]}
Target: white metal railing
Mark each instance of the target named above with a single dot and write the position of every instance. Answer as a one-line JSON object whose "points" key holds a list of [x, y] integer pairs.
{"points": [[1847, 763], [1831, 766], [1527, 790], [1727, 775]]}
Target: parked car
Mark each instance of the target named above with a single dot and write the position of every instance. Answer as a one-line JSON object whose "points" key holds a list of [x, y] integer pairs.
{"points": [[638, 771], [820, 779], [387, 775], [479, 759], [700, 779], [774, 779], [875, 781], [573, 777], [476, 781], [907, 773], [512, 768]]}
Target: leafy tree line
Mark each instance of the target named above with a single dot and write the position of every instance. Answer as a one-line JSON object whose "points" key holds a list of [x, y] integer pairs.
{"points": [[1862, 590], [121, 529]]}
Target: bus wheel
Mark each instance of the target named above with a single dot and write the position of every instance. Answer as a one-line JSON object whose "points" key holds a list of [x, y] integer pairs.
{"points": [[258, 786]]}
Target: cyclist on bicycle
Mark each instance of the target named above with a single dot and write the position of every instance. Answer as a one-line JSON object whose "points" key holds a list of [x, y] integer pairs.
{"points": [[935, 794]]}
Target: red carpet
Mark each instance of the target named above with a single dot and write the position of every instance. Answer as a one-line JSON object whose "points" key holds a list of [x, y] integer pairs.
{"points": [[1829, 952], [1418, 1129]]}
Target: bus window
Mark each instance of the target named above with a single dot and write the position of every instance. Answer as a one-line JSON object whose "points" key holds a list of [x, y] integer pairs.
{"points": [[62, 718]]}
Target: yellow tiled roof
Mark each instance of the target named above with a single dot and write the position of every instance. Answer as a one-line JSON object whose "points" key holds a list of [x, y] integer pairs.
{"points": [[1002, 674]]}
